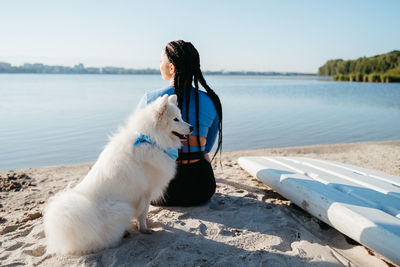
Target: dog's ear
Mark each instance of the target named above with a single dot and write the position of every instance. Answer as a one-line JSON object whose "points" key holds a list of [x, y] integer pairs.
{"points": [[162, 106], [173, 99]]}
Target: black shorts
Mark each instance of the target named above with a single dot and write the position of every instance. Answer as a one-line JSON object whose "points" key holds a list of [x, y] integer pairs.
{"points": [[193, 184]]}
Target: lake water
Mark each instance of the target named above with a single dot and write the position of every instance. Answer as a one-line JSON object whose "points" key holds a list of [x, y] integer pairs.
{"points": [[61, 119]]}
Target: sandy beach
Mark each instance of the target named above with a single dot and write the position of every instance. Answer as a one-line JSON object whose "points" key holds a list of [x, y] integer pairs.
{"points": [[245, 223]]}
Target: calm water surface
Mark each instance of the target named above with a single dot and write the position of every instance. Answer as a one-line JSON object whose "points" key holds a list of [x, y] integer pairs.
{"points": [[62, 119]]}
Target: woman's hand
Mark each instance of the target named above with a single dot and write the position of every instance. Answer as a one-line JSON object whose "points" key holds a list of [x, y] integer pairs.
{"points": [[207, 157]]}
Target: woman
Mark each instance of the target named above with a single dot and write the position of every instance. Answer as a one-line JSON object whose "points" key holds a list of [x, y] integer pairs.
{"points": [[194, 182]]}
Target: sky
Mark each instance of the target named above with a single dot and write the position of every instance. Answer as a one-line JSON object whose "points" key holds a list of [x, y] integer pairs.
{"points": [[281, 35]]}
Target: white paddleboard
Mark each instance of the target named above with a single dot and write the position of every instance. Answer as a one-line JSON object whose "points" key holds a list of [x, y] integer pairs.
{"points": [[361, 203]]}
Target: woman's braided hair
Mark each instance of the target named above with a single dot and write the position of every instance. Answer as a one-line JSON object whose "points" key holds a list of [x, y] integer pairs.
{"points": [[184, 56]]}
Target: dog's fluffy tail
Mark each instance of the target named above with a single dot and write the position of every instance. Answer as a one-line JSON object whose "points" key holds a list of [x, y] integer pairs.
{"points": [[74, 224]]}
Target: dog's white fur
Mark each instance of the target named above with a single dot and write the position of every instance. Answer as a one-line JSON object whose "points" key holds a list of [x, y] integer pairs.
{"points": [[94, 214]]}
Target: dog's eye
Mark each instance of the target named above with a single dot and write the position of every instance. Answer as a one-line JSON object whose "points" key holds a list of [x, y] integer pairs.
{"points": [[176, 119]]}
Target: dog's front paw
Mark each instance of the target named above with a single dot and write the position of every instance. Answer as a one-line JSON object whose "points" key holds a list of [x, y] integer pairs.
{"points": [[146, 231]]}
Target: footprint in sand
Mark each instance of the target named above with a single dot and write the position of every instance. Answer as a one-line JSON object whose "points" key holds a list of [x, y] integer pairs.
{"points": [[283, 246], [22, 233], [217, 203], [8, 229], [36, 252], [250, 195], [28, 245], [203, 229], [184, 216], [5, 257], [24, 226], [31, 216], [15, 246], [227, 231]]}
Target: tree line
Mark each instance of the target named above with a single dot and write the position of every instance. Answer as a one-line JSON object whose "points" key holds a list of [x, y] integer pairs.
{"points": [[380, 68]]}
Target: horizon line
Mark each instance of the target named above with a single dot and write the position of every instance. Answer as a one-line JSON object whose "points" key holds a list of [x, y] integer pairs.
{"points": [[222, 71]]}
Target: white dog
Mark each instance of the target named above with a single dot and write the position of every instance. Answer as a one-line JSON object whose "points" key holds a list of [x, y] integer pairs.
{"points": [[134, 168]]}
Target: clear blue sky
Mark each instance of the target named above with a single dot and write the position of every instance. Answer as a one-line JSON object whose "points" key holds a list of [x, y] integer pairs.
{"points": [[260, 35]]}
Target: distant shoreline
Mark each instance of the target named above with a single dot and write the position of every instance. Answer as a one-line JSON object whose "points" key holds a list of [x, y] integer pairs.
{"points": [[212, 73], [38, 68]]}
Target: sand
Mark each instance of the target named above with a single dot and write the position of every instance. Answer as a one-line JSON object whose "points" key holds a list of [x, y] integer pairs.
{"points": [[245, 223]]}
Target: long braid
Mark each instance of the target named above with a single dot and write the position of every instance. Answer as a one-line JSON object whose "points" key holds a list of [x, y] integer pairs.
{"points": [[187, 116], [186, 60], [217, 103], [181, 76], [197, 110], [194, 56], [189, 71], [171, 55], [214, 97]]}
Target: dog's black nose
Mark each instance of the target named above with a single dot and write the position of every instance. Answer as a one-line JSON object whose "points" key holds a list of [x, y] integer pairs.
{"points": [[191, 128]]}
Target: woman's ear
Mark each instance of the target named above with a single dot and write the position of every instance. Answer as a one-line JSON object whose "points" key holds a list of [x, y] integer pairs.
{"points": [[171, 69]]}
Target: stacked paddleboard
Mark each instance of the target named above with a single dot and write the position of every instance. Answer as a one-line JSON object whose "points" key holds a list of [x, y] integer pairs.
{"points": [[361, 203]]}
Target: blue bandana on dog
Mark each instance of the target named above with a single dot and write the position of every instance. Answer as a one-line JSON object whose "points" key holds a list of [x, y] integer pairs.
{"points": [[141, 138]]}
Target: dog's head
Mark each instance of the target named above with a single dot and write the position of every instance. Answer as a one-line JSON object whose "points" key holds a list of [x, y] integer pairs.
{"points": [[170, 128]]}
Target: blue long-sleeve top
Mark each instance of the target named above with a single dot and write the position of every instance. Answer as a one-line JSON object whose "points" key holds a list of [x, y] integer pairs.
{"points": [[208, 117]]}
